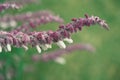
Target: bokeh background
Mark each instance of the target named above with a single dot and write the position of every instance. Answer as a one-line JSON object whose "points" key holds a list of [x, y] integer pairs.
{"points": [[104, 64]]}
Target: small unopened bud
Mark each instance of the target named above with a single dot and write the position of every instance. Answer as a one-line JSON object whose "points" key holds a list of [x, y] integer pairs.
{"points": [[69, 40], [61, 44], [38, 48], [8, 47]]}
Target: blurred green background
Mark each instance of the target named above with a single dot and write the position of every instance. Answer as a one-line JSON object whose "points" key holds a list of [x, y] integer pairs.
{"points": [[104, 64]]}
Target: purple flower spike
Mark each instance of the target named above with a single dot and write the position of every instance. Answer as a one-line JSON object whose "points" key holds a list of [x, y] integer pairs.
{"points": [[29, 20], [44, 39]]}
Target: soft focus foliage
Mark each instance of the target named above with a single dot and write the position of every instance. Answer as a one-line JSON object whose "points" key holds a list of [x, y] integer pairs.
{"points": [[104, 64]]}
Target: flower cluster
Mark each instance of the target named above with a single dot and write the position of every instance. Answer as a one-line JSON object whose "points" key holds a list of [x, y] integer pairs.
{"points": [[9, 6], [45, 39]]}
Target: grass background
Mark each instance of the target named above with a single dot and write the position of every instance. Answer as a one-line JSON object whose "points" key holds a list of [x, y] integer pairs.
{"points": [[104, 64]]}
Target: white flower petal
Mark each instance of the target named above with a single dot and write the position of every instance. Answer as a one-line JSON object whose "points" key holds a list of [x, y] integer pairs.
{"points": [[8, 47], [38, 48], [61, 44], [0, 48], [69, 40]]}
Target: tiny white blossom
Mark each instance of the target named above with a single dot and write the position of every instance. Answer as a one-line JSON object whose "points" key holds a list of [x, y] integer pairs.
{"points": [[61, 44], [8, 47], [60, 60], [69, 40], [0, 48], [38, 48]]}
